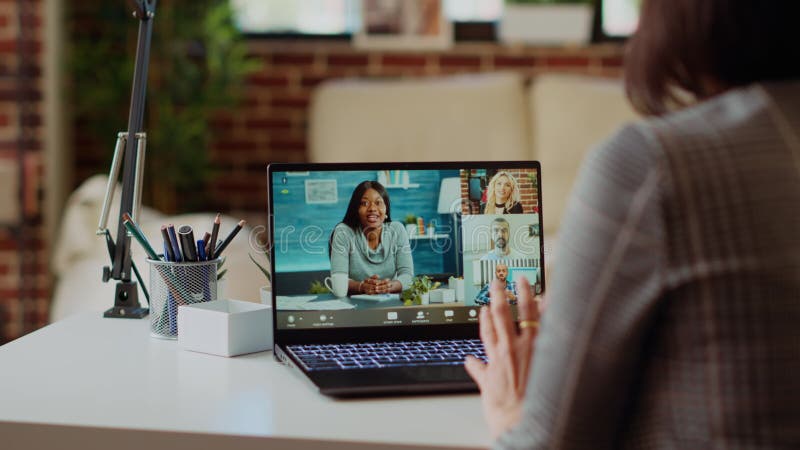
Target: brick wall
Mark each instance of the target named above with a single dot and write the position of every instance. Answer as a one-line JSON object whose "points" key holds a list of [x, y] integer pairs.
{"points": [[24, 279], [271, 125]]}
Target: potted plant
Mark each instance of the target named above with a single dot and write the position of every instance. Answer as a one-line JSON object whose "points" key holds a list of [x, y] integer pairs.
{"points": [[266, 290], [316, 287], [546, 21], [419, 292], [411, 224], [198, 64]]}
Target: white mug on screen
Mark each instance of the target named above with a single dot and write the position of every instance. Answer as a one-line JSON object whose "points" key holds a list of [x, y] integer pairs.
{"points": [[337, 283]]}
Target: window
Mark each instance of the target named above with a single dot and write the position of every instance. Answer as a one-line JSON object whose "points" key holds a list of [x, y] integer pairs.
{"points": [[337, 17]]}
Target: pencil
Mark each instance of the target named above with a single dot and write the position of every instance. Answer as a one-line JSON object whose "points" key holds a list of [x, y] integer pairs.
{"points": [[139, 236], [228, 239], [212, 242], [127, 217], [168, 252]]}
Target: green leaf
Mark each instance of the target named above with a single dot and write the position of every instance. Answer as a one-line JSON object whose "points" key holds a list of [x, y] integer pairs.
{"points": [[263, 269]]}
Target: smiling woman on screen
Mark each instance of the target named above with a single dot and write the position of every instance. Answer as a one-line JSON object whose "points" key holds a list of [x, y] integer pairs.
{"points": [[369, 247], [502, 195]]}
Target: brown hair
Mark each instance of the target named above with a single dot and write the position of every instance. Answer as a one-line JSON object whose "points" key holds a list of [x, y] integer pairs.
{"points": [[704, 47]]}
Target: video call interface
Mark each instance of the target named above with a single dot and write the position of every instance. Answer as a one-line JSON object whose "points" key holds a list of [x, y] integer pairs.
{"points": [[362, 248]]}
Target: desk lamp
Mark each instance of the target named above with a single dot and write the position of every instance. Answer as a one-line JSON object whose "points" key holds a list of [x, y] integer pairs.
{"points": [[129, 153], [450, 203]]}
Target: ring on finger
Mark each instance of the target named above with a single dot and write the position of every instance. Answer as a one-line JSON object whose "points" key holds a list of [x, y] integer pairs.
{"points": [[528, 324]]}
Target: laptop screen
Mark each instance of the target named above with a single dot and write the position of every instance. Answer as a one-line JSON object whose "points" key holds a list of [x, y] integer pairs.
{"points": [[365, 245]]}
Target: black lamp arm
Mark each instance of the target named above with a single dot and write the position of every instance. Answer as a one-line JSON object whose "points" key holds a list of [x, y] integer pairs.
{"points": [[126, 302]]}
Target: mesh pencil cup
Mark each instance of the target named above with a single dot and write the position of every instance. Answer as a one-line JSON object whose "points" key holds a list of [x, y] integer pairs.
{"points": [[173, 284]]}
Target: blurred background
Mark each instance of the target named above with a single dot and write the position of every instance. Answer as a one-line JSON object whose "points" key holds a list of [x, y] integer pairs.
{"points": [[231, 88]]}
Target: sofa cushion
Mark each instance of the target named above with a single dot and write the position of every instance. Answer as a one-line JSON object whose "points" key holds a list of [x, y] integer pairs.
{"points": [[455, 118], [569, 115]]}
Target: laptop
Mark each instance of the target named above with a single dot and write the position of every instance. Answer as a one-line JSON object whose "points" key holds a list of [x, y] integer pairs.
{"points": [[377, 267]]}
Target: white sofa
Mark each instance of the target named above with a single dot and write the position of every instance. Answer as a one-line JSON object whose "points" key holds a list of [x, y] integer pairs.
{"points": [[79, 255], [555, 118]]}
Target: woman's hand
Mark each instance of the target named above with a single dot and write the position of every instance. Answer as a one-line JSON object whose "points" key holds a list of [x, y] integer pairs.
{"points": [[502, 381], [376, 285]]}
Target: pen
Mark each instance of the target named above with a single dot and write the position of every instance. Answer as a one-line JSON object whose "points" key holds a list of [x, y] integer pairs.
{"points": [[169, 254], [201, 250], [228, 239], [166, 254], [188, 243], [137, 233], [173, 241], [212, 242]]}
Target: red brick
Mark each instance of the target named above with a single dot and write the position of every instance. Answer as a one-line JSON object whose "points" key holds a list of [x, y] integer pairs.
{"points": [[612, 61], [269, 80], [11, 46], [292, 59], [11, 95], [287, 144], [514, 61], [33, 120], [268, 124], [236, 146], [567, 61], [290, 102], [9, 294], [460, 61], [4, 21], [403, 60], [345, 60], [222, 121], [313, 81], [31, 21], [234, 186], [250, 101], [31, 71]]}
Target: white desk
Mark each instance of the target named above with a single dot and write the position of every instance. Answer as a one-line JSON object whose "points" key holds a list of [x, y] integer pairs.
{"points": [[90, 382]]}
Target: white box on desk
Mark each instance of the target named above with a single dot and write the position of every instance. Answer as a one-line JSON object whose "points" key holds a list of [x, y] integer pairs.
{"points": [[225, 327]]}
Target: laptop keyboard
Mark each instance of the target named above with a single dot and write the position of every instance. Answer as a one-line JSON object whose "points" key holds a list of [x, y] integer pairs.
{"points": [[386, 354]]}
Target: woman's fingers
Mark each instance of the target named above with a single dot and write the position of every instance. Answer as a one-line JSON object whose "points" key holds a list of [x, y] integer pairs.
{"points": [[476, 370], [506, 333], [488, 335], [501, 313], [526, 307]]}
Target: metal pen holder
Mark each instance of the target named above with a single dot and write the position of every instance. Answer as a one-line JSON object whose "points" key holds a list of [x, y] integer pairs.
{"points": [[173, 284]]}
